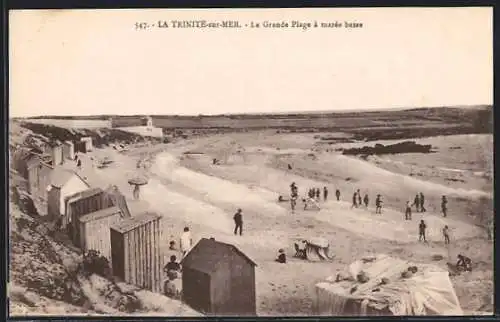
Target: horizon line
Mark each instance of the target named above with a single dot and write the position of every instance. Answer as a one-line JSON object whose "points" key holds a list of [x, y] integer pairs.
{"points": [[271, 113]]}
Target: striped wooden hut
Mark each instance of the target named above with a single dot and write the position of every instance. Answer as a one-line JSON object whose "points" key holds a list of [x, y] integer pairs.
{"points": [[94, 230], [135, 251], [89, 201]]}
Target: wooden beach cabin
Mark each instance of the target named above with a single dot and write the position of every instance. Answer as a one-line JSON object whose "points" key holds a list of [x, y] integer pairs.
{"points": [[135, 251], [219, 279]]}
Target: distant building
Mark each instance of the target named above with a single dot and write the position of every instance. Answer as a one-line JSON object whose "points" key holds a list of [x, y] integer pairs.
{"points": [[63, 183], [219, 279]]}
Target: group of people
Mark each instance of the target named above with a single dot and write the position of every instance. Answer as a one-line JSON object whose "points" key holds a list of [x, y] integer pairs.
{"points": [[313, 196], [358, 201]]}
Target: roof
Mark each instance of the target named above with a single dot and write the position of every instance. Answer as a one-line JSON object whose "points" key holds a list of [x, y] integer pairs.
{"points": [[100, 214], [206, 255], [85, 193], [68, 143], [61, 176], [129, 224]]}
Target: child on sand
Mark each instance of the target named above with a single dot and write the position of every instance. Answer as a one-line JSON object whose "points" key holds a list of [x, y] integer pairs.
{"points": [[446, 234], [421, 231], [281, 257], [366, 200], [408, 211]]}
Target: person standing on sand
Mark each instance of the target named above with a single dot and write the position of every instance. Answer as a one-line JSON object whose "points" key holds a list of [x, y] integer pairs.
{"points": [[359, 198], [422, 200], [378, 205], [186, 241], [238, 222], [444, 206], [325, 193], [366, 200], [408, 211], [293, 202], [354, 200], [337, 194], [416, 203], [421, 231], [446, 235], [79, 163], [318, 194]]}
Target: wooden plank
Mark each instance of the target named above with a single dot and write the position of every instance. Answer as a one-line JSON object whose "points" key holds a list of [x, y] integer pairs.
{"points": [[140, 250], [145, 256], [132, 257], [159, 256], [148, 257], [153, 258], [126, 258]]}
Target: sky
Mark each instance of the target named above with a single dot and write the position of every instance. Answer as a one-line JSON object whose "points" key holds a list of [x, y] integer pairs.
{"points": [[87, 62]]}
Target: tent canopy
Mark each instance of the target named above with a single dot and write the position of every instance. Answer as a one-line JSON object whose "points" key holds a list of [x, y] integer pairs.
{"points": [[429, 291]]}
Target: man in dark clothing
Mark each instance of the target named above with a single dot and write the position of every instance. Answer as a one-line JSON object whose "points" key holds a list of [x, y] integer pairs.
{"points": [[464, 263], [238, 222], [318, 193], [421, 231], [444, 205], [359, 197], [325, 193], [337, 194], [354, 200], [422, 201], [378, 205], [79, 163], [416, 203], [366, 200], [408, 211], [173, 265]]}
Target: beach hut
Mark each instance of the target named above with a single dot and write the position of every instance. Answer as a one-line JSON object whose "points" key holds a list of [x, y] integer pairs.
{"points": [[381, 285], [219, 279], [88, 143], [56, 152], [63, 183], [68, 150], [91, 200], [39, 178], [135, 251], [94, 230]]}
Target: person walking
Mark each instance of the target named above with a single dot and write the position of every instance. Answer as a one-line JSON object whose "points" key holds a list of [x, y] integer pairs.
{"points": [[444, 206], [421, 231], [325, 193], [186, 241], [446, 235], [422, 201], [337, 194], [416, 203], [378, 205], [238, 222], [354, 200], [408, 211], [293, 203], [366, 200]]}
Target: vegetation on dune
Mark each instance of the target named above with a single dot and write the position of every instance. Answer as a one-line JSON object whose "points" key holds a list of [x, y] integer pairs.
{"points": [[379, 149], [100, 138]]}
